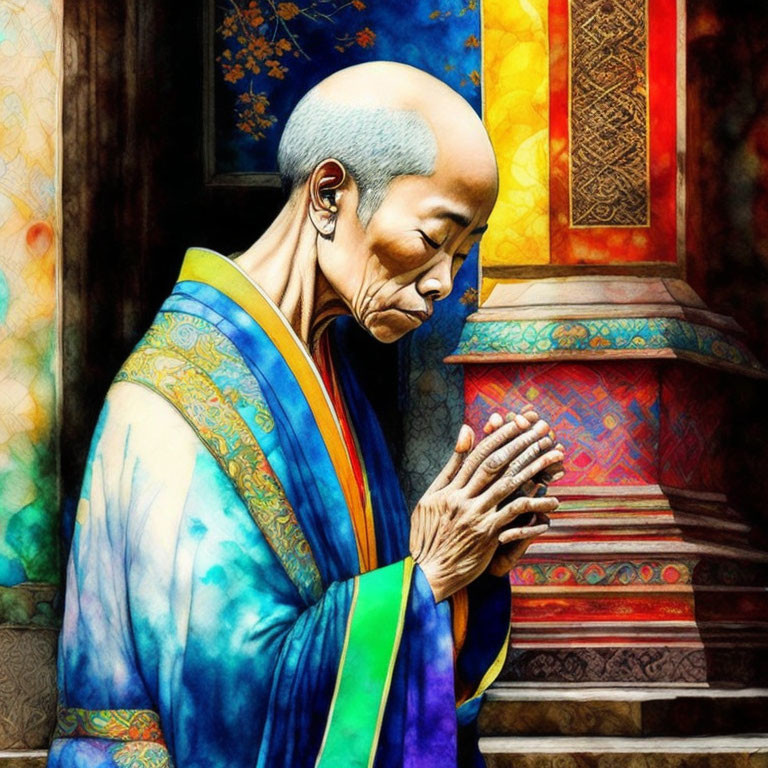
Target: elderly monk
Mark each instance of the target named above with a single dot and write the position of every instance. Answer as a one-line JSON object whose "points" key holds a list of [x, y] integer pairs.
{"points": [[245, 587]]}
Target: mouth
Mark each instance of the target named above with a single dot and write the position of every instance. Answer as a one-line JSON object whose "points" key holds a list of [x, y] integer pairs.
{"points": [[421, 316]]}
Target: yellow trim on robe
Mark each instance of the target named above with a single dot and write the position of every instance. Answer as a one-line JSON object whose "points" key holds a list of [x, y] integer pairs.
{"points": [[493, 671], [206, 266]]}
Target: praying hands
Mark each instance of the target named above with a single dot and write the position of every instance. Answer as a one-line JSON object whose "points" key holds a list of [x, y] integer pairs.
{"points": [[485, 507]]}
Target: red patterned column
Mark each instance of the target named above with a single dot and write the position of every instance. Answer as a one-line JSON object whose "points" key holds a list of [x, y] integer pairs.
{"points": [[647, 575]]}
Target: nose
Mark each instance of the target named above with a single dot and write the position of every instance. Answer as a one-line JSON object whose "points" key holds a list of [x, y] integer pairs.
{"points": [[436, 282]]}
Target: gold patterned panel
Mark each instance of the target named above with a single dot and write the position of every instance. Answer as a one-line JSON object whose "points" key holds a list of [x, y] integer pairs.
{"points": [[516, 113], [609, 113]]}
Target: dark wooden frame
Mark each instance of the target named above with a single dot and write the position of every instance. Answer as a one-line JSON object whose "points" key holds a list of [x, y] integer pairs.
{"points": [[212, 177]]}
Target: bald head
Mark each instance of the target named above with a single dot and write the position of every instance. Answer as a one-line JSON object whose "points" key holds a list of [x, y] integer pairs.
{"points": [[381, 120]]}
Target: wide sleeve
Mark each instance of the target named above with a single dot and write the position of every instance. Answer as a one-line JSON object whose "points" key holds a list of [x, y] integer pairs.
{"points": [[241, 670]]}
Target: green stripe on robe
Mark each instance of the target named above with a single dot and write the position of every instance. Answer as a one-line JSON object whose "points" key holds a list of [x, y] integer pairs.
{"points": [[374, 628]]}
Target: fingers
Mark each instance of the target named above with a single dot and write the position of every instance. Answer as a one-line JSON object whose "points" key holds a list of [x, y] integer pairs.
{"points": [[493, 423], [530, 413], [522, 534], [464, 443], [493, 442], [510, 481], [415, 543], [514, 454], [539, 507], [554, 472]]}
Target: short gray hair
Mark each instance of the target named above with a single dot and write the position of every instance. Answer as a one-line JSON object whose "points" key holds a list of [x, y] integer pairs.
{"points": [[375, 145]]}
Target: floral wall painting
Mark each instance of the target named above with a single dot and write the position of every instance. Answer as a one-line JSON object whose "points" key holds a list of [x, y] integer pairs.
{"points": [[264, 54]]}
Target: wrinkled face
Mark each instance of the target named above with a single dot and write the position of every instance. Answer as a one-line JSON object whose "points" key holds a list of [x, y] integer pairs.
{"points": [[390, 273]]}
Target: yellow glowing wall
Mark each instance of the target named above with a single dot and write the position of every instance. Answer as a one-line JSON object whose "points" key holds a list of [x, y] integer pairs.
{"points": [[516, 113], [30, 69]]}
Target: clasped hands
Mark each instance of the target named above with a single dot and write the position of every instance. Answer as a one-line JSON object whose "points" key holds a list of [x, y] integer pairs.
{"points": [[482, 511]]}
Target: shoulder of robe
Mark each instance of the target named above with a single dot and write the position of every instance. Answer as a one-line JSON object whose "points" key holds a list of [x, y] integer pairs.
{"points": [[143, 460], [148, 427]]}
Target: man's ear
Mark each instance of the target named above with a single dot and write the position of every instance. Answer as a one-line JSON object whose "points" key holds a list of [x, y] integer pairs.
{"points": [[325, 184]]}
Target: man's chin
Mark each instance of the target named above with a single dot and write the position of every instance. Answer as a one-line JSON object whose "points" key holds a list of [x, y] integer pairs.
{"points": [[389, 327], [388, 335]]}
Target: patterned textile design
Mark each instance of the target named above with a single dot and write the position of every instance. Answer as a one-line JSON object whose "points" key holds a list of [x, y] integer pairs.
{"points": [[609, 113], [607, 416], [30, 63], [539, 337], [117, 724], [215, 354], [215, 419], [207, 268], [606, 574], [140, 754]]}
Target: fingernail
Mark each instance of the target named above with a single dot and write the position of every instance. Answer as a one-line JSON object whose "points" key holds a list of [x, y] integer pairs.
{"points": [[465, 439]]}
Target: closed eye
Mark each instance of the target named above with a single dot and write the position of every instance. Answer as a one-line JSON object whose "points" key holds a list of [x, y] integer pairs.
{"points": [[429, 241]]}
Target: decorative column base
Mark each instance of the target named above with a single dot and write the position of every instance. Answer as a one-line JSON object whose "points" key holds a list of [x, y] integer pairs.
{"points": [[28, 637], [647, 575]]}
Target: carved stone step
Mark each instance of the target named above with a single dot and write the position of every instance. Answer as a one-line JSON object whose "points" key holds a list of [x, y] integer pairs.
{"points": [[609, 752], [33, 758], [623, 712]]}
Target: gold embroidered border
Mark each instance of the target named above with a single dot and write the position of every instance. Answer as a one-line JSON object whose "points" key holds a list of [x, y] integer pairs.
{"points": [[204, 346], [116, 724], [229, 440]]}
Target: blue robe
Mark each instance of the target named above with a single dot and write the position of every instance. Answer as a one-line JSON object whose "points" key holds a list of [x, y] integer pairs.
{"points": [[232, 599]]}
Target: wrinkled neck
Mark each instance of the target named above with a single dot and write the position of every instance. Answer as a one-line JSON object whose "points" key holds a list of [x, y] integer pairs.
{"points": [[283, 263]]}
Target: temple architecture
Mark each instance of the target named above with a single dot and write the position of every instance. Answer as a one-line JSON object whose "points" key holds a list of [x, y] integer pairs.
{"points": [[639, 633], [622, 289]]}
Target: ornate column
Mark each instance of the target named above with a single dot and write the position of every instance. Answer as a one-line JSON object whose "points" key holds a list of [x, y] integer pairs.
{"points": [[648, 586], [647, 575]]}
